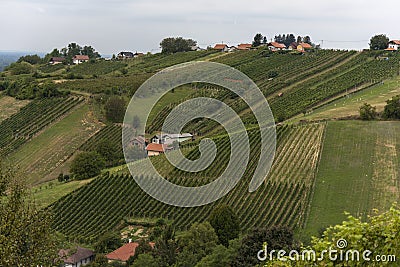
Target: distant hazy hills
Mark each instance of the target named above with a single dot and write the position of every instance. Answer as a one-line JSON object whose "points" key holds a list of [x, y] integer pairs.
{"points": [[6, 57]]}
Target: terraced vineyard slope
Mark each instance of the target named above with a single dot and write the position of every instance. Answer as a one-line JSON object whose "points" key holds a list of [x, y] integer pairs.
{"points": [[283, 199]]}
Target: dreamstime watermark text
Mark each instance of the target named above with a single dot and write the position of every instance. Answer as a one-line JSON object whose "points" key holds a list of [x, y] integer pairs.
{"points": [[340, 253]]}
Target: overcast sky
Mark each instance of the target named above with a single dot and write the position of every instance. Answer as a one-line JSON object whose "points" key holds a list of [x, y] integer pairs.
{"points": [[139, 25]]}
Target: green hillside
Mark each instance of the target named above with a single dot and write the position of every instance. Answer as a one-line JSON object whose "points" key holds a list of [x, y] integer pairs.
{"points": [[283, 199], [359, 171], [320, 170]]}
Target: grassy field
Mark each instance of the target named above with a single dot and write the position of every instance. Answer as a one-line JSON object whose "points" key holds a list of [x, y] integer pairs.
{"points": [[358, 172], [50, 149], [49, 192], [349, 105], [9, 106]]}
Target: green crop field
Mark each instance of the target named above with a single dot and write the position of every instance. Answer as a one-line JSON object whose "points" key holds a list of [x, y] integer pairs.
{"points": [[359, 171], [49, 150]]}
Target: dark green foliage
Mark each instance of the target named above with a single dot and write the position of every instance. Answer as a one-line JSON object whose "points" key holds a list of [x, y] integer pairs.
{"points": [[379, 42], [31, 59], [145, 260], [178, 44], [29, 88], [226, 224], [87, 165], [26, 238], [221, 256], [99, 261], [108, 151], [166, 247], [368, 112], [115, 109], [20, 68], [392, 109], [108, 143], [196, 243], [277, 238], [108, 242], [258, 38]]}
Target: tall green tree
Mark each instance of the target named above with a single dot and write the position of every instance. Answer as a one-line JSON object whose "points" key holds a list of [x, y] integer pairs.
{"points": [[277, 238], [196, 243], [166, 247], [368, 112], [87, 165], [115, 109], [176, 44], [226, 224], [26, 238], [258, 38], [392, 108], [379, 42]]}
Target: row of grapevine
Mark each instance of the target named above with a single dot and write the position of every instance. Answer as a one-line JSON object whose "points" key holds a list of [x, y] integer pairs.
{"points": [[31, 119], [101, 205]]}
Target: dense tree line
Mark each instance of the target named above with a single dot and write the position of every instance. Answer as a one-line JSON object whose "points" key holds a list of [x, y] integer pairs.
{"points": [[390, 112], [177, 44], [72, 50]]}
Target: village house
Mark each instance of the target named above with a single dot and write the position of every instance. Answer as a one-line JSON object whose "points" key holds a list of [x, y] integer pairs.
{"points": [[139, 142], [123, 253], [56, 60], [78, 59], [244, 46], [125, 55], [274, 46], [221, 47], [136, 55], [394, 45], [169, 139], [76, 257], [154, 149], [302, 47]]}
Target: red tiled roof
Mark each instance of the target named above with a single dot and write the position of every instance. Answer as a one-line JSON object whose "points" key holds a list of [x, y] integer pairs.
{"points": [[220, 46], [57, 59], [305, 45], [125, 252], [395, 42], [81, 57], [277, 45], [156, 147], [244, 46]]}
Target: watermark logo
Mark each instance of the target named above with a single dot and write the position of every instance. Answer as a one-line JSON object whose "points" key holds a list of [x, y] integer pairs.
{"points": [[333, 254], [150, 92]]}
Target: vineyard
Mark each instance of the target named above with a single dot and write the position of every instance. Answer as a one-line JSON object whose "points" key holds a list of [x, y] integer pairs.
{"points": [[283, 199], [112, 134], [31, 119], [307, 80]]}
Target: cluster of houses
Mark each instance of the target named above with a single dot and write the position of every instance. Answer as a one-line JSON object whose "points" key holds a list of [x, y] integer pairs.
{"points": [[273, 46], [82, 256], [78, 59], [160, 143], [394, 45], [128, 55]]}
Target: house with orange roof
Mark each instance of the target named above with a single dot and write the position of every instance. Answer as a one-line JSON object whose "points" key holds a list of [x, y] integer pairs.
{"points": [[302, 47], [123, 253], [221, 47], [78, 59], [275, 46], [154, 149], [244, 46], [394, 45]]}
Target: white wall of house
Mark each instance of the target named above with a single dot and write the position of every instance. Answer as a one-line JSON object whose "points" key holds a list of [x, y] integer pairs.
{"points": [[395, 46]]}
